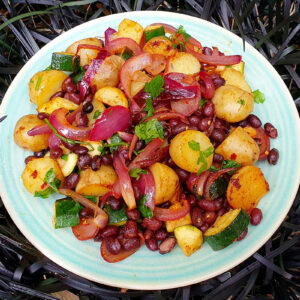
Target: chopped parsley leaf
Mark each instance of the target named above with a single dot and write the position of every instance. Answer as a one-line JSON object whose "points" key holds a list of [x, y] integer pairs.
{"points": [[259, 97]]}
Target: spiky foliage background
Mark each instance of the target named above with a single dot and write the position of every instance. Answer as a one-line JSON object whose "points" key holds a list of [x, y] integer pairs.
{"points": [[272, 27]]}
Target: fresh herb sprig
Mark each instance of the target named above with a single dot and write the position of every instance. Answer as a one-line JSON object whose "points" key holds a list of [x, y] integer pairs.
{"points": [[149, 131], [259, 97], [135, 173]]}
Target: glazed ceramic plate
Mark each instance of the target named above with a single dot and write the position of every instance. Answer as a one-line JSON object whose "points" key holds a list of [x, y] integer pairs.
{"points": [[146, 269]]}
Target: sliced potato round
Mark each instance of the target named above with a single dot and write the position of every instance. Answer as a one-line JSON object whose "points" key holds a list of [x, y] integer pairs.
{"points": [[183, 62], [22, 139], [56, 103], [246, 187], [111, 96], [239, 146], [160, 45], [236, 78], [166, 182], [232, 103], [35, 171], [44, 84], [184, 156], [86, 55]]}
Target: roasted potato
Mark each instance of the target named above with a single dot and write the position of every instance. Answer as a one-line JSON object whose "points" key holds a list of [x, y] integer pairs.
{"points": [[22, 139], [111, 96], [239, 146], [130, 29], [160, 45], [86, 55], [236, 78], [183, 62], [56, 103], [166, 182], [108, 73], [171, 225], [34, 174], [96, 183], [44, 84], [184, 156], [67, 163], [232, 103], [246, 187], [98, 108], [138, 82]]}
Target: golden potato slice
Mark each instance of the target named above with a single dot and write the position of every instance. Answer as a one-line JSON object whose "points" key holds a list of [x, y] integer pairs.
{"points": [[138, 82], [239, 146], [56, 103], [232, 103], [23, 140], [166, 182], [68, 163], [86, 55], [183, 62], [246, 187], [171, 225], [236, 78], [130, 29], [98, 108], [111, 96], [160, 45], [185, 157], [96, 183], [44, 84], [35, 171]]}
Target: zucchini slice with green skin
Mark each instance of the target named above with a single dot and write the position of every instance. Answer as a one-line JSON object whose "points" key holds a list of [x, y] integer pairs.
{"points": [[149, 34], [64, 62], [226, 229]]}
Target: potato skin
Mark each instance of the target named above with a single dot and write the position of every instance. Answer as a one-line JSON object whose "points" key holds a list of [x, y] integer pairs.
{"points": [[183, 62], [35, 171], [44, 84], [246, 187], [160, 45], [240, 147], [86, 55], [111, 96], [186, 158], [232, 103], [56, 103], [96, 183], [23, 140], [236, 78], [166, 182], [108, 73]]}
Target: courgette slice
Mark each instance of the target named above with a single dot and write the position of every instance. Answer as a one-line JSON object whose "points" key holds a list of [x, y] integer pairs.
{"points": [[226, 229], [151, 33], [64, 62]]}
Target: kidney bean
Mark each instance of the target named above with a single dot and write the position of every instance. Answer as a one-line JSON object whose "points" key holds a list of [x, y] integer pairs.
{"points": [[58, 94], [254, 121], [81, 119], [218, 135], [73, 97], [66, 82], [131, 243], [167, 245], [207, 51], [88, 107], [273, 156], [29, 158], [180, 127], [194, 120], [243, 123], [139, 145], [98, 237], [221, 212], [219, 203], [174, 122], [96, 162], [93, 88], [124, 152], [161, 234], [208, 109], [152, 224], [182, 174], [196, 216], [89, 98], [243, 235], [86, 212], [271, 130], [113, 245], [133, 214], [218, 158], [107, 159], [84, 161], [41, 153], [80, 150], [255, 216], [114, 203], [204, 227], [56, 152], [170, 162], [151, 244], [210, 217], [206, 205], [130, 229], [71, 181], [109, 231], [42, 115], [148, 234], [198, 113], [204, 124], [218, 81], [70, 88], [192, 200]]}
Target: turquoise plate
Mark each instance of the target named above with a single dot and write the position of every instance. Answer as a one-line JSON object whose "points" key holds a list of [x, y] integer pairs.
{"points": [[145, 269]]}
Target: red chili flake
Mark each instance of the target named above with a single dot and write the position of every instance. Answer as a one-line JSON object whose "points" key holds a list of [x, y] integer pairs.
{"points": [[34, 174], [233, 156], [236, 183], [43, 185]]}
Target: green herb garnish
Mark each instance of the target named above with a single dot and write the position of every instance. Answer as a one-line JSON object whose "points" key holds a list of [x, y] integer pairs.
{"points": [[52, 180], [92, 198], [183, 32], [135, 173], [45, 193], [149, 108], [225, 165], [64, 157], [259, 97], [155, 86], [96, 114], [149, 131], [145, 211], [241, 101], [38, 83], [202, 102]]}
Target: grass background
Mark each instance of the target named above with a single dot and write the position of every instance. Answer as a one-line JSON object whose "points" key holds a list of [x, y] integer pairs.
{"points": [[271, 26]]}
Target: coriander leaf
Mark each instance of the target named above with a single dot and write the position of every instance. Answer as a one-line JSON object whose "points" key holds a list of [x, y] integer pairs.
{"points": [[145, 211], [183, 32], [175, 46], [52, 180], [38, 83], [115, 139], [155, 86], [213, 169], [96, 114], [92, 198], [230, 164], [228, 67], [64, 157], [135, 173], [241, 101], [182, 46], [202, 102], [102, 150], [208, 152], [259, 97], [149, 108], [194, 145], [149, 131], [45, 193]]}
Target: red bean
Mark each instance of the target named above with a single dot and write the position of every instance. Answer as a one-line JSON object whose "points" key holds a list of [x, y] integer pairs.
{"points": [[41, 153], [254, 121], [204, 227], [206, 205], [114, 203], [255, 216], [208, 109], [71, 181], [207, 51], [170, 162], [139, 145], [81, 119], [180, 127], [56, 152], [161, 234], [70, 88], [182, 174], [218, 81], [96, 162], [80, 150], [271, 130], [221, 212], [84, 161], [113, 245], [243, 235], [273, 156], [218, 135], [218, 158], [130, 229], [192, 200], [133, 214], [89, 98], [167, 245], [73, 97], [204, 124], [29, 158], [137, 193], [174, 122], [152, 244], [194, 120], [243, 123], [196, 216], [210, 217], [107, 159], [198, 113], [86, 212], [148, 234], [66, 82], [131, 243], [152, 224], [88, 107], [109, 231], [42, 115], [58, 94], [93, 88], [219, 203]]}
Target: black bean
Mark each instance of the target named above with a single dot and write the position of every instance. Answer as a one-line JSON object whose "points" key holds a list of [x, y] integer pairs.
{"points": [[180, 127], [107, 159], [88, 107], [204, 124], [80, 150], [218, 135], [56, 152], [41, 153], [96, 162], [84, 161], [194, 120], [218, 158]]}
